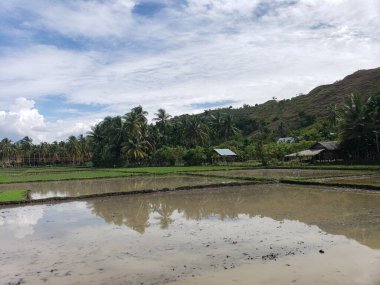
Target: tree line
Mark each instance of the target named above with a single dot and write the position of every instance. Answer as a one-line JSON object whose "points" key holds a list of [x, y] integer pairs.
{"points": [[130, 140]]}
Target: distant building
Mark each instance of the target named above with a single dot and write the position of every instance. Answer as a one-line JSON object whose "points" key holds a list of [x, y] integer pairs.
{"points": [[286, 139], [224, 155], [320, 151]]}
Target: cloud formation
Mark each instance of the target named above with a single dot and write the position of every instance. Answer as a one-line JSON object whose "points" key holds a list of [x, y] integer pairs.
{"points": [[177, 55], [23, 119]]}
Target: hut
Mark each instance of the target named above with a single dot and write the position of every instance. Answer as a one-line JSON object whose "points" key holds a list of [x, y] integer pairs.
{"points": [[329, 150], [224, 155], [319, 152]]}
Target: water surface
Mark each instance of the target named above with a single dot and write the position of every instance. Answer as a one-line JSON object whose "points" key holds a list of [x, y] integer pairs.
{"points": [[74, 188], [205, 236], [288, 173]]}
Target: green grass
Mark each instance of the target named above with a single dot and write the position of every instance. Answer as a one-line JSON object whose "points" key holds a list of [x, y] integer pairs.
{"points": [[13, 196], [173, 169], [40, 174], [329, 166], [70, 175], [347, 184]]}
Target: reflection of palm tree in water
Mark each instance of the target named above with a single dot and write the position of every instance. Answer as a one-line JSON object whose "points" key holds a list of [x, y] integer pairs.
{"points": [[326, 210], [165, 211], [134, 214]]}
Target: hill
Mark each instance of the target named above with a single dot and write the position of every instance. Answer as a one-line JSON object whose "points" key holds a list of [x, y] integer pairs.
{"points": [[303, 110]]}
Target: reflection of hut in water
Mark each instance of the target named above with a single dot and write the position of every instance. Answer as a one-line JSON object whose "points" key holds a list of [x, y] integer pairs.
{"points": [[319, 152], [223, 155]]}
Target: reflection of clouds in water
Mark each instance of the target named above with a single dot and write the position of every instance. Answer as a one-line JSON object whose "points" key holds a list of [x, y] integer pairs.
{"points": [[77, 206], [21, 221]]}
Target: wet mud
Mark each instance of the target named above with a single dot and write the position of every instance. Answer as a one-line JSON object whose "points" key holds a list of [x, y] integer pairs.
{"points": [[288, 173], [257, 234]]}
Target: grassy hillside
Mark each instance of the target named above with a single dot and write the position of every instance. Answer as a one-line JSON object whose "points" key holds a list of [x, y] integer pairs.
{"points": [[295, 113]]}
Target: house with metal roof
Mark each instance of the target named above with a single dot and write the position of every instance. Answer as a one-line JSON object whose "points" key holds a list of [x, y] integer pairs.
{"points": [[286, 140]]}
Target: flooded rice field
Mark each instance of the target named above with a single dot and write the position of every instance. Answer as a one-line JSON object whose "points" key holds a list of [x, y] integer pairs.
{"points": [[258, 234], [288, 173], [363, 179], [75, 188]]}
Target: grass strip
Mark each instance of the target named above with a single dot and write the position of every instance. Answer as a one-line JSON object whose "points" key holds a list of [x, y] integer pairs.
{"points": [[247, 178], [331, 184], [13, 196], [173, 169], [327, 167], [96, 174]]}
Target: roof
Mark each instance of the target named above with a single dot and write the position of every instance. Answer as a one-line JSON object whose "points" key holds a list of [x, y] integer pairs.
{"points": [[308, 152], [330, 145], [286, 139], [225, 152]]}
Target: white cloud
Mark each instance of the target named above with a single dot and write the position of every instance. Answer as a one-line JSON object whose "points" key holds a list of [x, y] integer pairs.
{"points": [[207, 51], [76, 18], [23, 119]]}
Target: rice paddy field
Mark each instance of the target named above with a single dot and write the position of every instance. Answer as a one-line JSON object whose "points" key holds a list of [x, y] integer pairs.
{"points": [[289, 173], [221, 229], [35, 174]]}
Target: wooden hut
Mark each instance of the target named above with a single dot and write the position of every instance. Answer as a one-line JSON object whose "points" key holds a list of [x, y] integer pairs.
{"points": [[224, 155], [320, 151]]}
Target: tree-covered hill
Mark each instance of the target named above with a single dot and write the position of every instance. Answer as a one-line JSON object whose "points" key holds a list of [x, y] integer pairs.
{"points": [[303, 110]]}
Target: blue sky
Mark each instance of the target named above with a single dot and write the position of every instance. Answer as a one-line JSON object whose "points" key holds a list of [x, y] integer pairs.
{"points": [[66, 64]]}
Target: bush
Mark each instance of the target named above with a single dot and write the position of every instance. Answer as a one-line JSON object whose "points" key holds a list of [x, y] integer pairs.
{"points": [[169, 156], [195, 156]]}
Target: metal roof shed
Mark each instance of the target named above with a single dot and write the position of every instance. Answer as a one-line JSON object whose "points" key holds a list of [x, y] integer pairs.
{"points": [[225, 152]]}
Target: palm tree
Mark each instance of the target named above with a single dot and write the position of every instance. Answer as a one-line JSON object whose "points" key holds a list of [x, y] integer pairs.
{"points": [[162, 119], [26, 146], [228, 128], [54, 152], [195, 131], [73, 148], [136, 149], [354, 125], [45, 150], [217, 124], [133, 123], [6, 150], [140, 114]]}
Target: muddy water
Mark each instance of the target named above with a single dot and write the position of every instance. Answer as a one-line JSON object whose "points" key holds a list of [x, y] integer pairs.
{"points": [[40, 190], [261, 234], [289, 173], [363, 179]]}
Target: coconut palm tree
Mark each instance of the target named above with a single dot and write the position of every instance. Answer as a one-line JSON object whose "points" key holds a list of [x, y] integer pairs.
{"points": [[140, 114], [132, 125], [216, 125], [228, 128], [136, 149], [26, 145], [195, 131], [6, 150], [73, 148], [162, 119], [355, 126]]}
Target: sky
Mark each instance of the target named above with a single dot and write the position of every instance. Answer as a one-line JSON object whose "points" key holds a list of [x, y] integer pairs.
{"points": [[66, 64]]}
